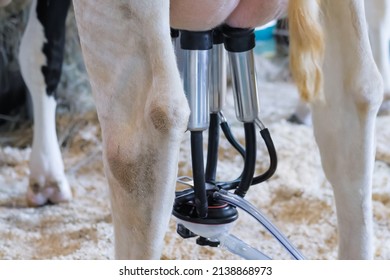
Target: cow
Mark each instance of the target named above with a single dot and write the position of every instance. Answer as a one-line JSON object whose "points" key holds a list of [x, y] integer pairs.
{"points": [[143, 111], [378, 21]]}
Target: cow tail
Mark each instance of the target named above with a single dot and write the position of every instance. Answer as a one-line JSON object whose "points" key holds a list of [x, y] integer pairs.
{"points": [[306, 47]]}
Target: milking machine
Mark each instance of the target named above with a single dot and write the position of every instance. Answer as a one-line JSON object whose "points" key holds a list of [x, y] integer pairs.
{"points": [[207, 209]]}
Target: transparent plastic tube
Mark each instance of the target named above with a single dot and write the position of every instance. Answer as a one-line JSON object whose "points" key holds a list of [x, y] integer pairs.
{"points": [[237, 201], [239, 248], [227, 241]]}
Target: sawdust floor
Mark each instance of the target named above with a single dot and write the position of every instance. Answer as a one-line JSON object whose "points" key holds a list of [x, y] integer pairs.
{"points": [[297, 199]]}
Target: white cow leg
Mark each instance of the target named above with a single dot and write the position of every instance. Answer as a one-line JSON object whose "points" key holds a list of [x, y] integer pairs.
{"points": [[378, 19], [142, 111], [379, 37], [47, 178], [344, 123]]}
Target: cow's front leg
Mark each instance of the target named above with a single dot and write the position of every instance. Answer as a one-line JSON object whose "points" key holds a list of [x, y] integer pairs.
{"points": [[41, 55], [344, 123], [142, 111]]}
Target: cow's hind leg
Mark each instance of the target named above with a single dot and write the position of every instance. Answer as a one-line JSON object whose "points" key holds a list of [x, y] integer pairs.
{"points": [[41, 55], [142, 111], [344, 123], [378, 19]]}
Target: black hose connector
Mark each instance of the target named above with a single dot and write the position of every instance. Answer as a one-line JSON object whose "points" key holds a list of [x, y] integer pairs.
{"points": [[196, 40], [239, 39], [272, 156], [198, 173], [220, 214], [212, 150], [250, 160]]}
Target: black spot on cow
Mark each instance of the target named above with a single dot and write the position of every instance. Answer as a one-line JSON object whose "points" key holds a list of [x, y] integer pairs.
{"points": [[52, 14]]}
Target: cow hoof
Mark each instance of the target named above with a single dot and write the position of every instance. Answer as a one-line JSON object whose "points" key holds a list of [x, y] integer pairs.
{"points": [[295, 119], [50, 192]]}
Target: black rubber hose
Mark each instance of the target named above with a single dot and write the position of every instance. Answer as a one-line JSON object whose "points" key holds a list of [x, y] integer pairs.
{"points": [[272, 156], [198, 173], [239, 148], [250, 160], [212, 150], [229, 136], [184, 196]]}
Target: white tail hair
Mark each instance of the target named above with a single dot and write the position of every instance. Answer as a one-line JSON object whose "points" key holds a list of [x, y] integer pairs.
{"points": [[306, 47]]}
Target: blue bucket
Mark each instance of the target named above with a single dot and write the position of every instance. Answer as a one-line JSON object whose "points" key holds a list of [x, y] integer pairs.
{"points": [[265, 32], [265, 43]]}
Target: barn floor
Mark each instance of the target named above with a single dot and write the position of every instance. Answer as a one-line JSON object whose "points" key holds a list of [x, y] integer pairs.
{"points": [[298, 198]]}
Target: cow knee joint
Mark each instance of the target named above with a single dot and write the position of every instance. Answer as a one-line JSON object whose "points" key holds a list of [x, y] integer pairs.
{"points": [[167, 118], [368, 92]]}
